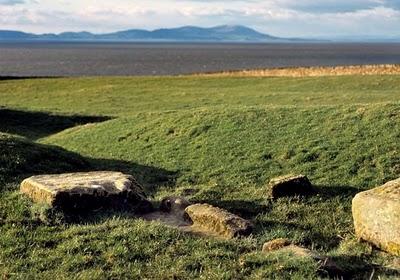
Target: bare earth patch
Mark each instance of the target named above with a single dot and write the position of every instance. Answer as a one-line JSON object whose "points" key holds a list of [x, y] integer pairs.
{"points": [[199, 219]]}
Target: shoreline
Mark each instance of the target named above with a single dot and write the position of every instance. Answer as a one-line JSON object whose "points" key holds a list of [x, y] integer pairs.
{"points": [[312, 71]]}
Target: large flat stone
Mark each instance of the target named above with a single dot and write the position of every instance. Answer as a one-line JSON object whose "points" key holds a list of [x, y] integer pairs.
{"points": [[73, 191], [376, 215], [217, 220]]}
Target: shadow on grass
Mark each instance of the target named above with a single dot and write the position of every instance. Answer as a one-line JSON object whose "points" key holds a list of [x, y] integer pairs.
{"points": [[11, 78], [356, 267], [150, 177], [329, 192], [35, 125], [21, 158]]}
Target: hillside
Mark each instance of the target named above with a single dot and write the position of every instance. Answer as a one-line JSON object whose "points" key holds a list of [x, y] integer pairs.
{"points": [[223, 33], [222, 138]]}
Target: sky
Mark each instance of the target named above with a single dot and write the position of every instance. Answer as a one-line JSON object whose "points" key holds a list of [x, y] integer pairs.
{"points": [[285, 18]]}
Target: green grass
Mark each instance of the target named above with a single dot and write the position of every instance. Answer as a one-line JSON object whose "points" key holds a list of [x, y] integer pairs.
{"points": [[127, 96], [223, 138]]}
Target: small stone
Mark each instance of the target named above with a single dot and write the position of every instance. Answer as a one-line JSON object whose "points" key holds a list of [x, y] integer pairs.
{"points": [[274, 245], [219, 221], [174, 205], [376, 215], [325, 263], [290, 186], [77, 191]]}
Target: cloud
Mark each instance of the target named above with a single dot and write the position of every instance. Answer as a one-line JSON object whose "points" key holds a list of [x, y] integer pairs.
{"points": [[336, 6], [311, 6], [277, 17], [395, 4], [11, 2], [329, 6]]}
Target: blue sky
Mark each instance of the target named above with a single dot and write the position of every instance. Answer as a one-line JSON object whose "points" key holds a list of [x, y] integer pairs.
{"points": [[327, 18]]}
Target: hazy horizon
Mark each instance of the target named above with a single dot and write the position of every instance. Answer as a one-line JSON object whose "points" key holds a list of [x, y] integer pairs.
{"points": [[284, 18], [359, 38]]}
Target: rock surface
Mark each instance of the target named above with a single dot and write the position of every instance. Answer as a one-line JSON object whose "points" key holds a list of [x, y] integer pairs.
{"points": [[75, 191], [214, 219], [274, 245], [290, 185], [376, 215]]}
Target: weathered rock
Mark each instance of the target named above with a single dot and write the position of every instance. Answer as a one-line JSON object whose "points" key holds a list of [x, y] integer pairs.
{"points": [[217, 220], [290, 186], [75, 191], [174, 205], [376, 215], [274, 245]]}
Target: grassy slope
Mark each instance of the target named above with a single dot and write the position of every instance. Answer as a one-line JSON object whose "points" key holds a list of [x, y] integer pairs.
{"points": [[223, 137], [127, 96]]}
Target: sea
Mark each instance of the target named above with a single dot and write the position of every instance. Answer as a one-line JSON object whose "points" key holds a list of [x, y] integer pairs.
{"points": [[48, 59]]}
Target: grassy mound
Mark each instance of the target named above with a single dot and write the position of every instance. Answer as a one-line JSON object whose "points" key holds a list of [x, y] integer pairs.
{"points": [[241, 149]]}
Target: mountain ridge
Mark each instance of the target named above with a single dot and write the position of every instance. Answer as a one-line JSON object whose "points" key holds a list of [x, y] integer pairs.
{"points": [[221, 33]]}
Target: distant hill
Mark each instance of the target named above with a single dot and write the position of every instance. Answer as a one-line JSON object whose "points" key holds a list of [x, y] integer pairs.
{"points": [[15, 35], [223, 33]]}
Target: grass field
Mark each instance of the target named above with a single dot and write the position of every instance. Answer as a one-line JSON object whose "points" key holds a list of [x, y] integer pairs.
{"points": [[221, 137]]}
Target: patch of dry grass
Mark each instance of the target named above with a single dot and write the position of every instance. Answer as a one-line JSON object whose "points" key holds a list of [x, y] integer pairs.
{"points": [[384, 69]]}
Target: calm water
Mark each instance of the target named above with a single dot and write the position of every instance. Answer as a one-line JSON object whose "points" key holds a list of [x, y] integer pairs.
{"points": [[76, 59]]}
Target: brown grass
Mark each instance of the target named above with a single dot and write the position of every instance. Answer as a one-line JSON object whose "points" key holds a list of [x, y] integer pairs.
{"points": [[384, 69]]}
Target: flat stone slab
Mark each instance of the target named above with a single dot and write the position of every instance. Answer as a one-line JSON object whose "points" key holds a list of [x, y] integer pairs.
{"points": [[73, 191], [290, 185], [376, 215], [215, 220]]}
